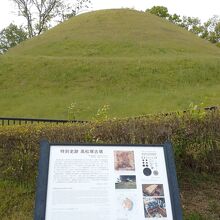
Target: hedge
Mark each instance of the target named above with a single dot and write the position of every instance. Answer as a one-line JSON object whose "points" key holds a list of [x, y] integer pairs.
{"points": [[195, 138]]}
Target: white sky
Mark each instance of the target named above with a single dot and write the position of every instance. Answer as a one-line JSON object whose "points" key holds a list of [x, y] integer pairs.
{"points": [[203, 9]]}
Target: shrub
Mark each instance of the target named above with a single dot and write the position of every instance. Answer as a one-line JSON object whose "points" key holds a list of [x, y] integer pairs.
{"points": [[195, 140]]}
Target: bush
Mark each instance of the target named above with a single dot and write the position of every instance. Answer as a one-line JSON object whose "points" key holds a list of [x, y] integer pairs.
{"points": [[195, 139]]}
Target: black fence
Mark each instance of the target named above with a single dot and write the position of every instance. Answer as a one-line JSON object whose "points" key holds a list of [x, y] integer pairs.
{"points": [[19, 121]]}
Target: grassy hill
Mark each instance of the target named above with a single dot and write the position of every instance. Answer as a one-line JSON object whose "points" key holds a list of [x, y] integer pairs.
{"points": [[133, 61]]}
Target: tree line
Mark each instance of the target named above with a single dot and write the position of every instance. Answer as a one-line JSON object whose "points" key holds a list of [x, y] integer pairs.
{"points": [[40, 15], [209, 30]]}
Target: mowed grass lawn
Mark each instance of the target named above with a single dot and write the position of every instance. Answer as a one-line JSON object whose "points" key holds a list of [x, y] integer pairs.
{"points": [[45, 87], [133, 61]]}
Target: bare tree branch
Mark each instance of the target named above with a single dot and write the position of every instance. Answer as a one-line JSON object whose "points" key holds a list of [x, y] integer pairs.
{"points": [[40, 13]]}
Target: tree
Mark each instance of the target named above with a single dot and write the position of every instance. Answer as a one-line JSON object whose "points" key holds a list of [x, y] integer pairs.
{"points": [[37, 14], [40, 14], [175, 19], [192, 24], [11, 36], [160, 11], [217, 32], [82, 4], [211, 29]]}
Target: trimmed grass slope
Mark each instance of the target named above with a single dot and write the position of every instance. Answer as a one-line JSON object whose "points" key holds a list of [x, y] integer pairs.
{"points": [[133, 61], [115, 33]]}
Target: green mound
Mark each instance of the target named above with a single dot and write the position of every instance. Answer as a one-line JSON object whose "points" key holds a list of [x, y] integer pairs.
{"points": [[133, 61]]}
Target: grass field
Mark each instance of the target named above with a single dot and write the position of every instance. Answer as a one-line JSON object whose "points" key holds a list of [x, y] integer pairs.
{"points": [[18, 200], [132, 61]]}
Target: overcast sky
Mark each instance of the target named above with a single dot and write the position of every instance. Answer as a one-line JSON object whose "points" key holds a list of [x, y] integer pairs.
{"points": [[203, 9]]}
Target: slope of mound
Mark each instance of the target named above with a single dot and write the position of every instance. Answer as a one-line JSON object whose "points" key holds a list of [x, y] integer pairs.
{"points": [[115, 33], [133, 61]]}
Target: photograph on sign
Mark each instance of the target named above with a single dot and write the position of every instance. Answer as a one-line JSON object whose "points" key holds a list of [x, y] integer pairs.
{"points": [[107, 182]]}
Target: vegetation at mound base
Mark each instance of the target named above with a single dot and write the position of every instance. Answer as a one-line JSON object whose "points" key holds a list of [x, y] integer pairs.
{"points": [[199, 193], [195, 137], [135, 62]]}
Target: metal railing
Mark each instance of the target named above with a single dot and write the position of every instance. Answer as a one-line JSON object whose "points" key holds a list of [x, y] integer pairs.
{"points": [[19, 121]]}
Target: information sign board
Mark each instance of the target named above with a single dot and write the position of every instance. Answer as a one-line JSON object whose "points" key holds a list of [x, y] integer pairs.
{"points": [[107, 182]]}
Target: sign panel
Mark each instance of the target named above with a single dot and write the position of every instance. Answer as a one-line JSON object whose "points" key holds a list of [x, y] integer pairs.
{"points": [[107, 182]]}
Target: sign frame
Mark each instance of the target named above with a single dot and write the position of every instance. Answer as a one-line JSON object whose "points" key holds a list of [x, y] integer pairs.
{"points": [[43, 171]]}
